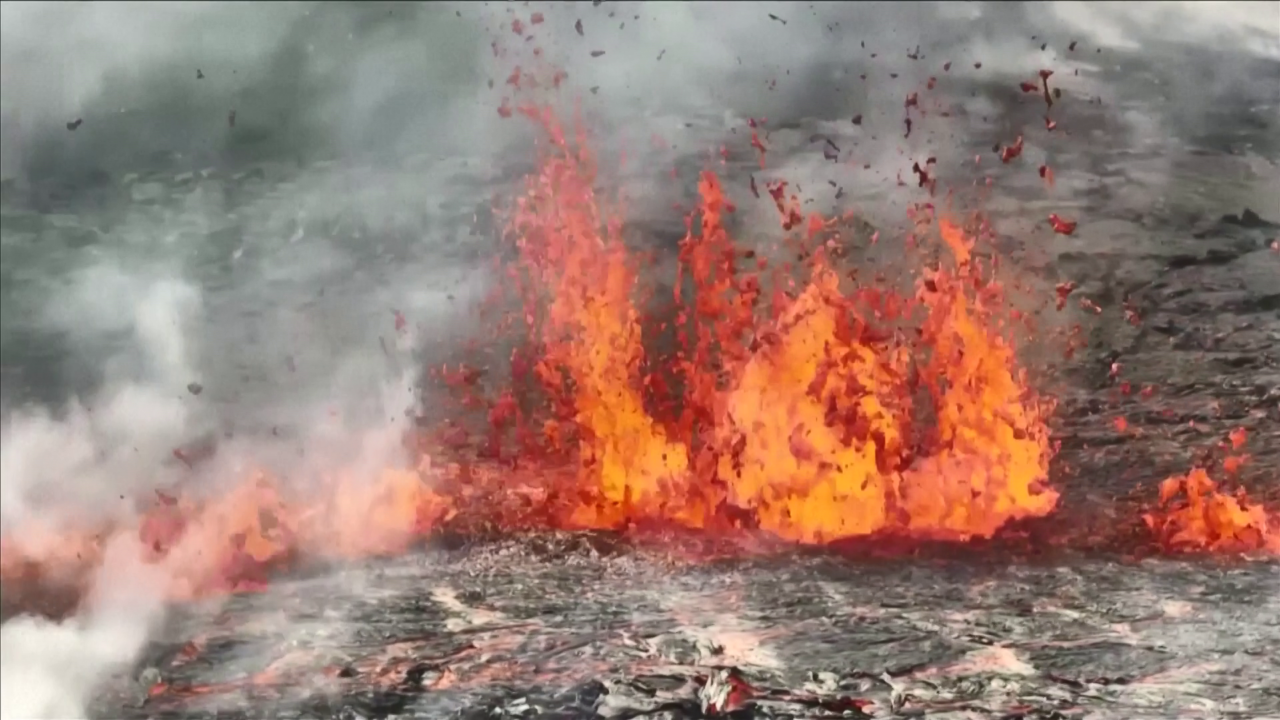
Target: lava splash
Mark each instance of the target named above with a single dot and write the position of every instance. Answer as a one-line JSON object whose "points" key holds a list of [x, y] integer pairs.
{"points": [[1195, 515], [810, 405]]}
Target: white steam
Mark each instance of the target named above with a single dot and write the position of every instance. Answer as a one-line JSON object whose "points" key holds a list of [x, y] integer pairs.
{"points": [[87, 457], [89, 462], [92, 460], [50, 670]]}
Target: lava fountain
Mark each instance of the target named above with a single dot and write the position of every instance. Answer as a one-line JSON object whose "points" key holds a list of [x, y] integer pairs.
{"points": [[814, 405]]}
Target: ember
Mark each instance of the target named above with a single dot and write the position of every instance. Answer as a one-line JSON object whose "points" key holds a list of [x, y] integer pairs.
{"points": [[1060, 225], [1010, 152]]}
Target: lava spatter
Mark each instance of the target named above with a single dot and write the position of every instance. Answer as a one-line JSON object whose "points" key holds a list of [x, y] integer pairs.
{"points": [[1194, 515], [811, 410], [590, 333], [235, 540]]}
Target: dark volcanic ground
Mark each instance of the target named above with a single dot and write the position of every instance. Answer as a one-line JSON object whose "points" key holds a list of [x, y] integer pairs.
{"points": [[300, 261], [567, 627]]}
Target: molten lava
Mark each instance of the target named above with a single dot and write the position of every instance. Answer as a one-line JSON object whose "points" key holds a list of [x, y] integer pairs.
{"points": [[234, 541], [836, 411], [1195, 515]]}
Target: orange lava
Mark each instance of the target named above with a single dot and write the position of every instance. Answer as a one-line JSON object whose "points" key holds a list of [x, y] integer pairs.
{"points": [[1194, 515], [234, 541], [836, 410]]}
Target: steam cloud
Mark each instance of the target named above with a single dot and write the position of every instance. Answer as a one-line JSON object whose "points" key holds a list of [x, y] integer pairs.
{"points": [[103, 334]]}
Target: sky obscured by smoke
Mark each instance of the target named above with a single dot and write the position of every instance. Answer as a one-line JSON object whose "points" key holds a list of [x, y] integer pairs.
{"points": [[305, 79], [326, 79]]}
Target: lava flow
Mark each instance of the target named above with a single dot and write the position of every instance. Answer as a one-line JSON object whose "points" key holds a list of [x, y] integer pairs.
{"points": [[800, 400]]}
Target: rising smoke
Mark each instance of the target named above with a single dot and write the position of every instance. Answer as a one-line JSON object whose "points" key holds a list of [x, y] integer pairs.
{"points": [[372, 127]]}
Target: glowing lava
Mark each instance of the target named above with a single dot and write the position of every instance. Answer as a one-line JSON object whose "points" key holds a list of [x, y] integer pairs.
{"points": [[234, 541], [835, 411], [1194, 515]]}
